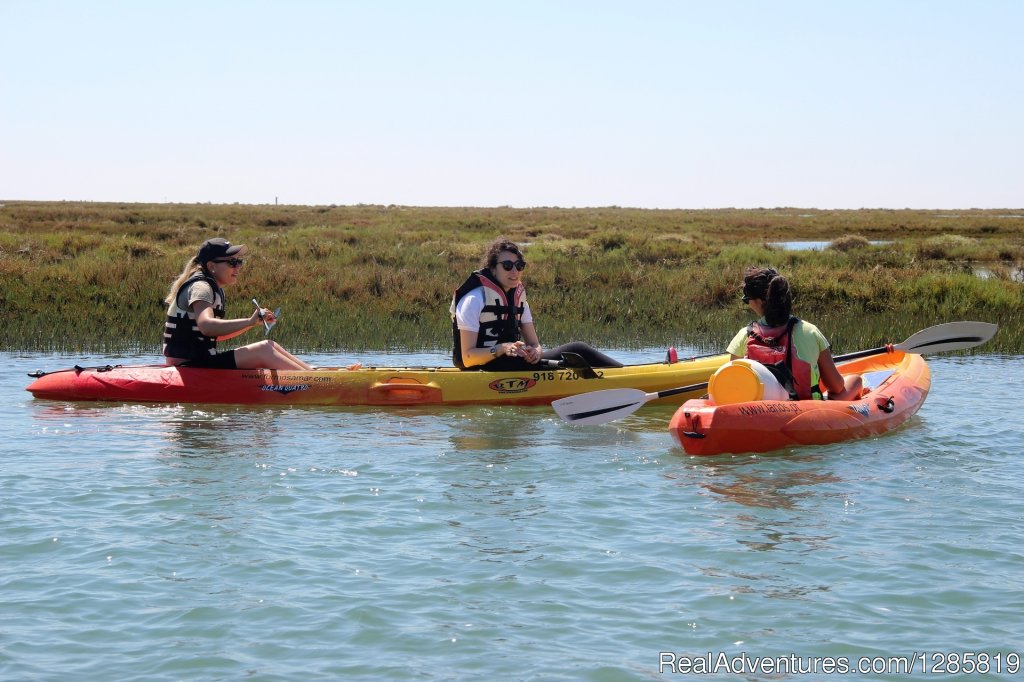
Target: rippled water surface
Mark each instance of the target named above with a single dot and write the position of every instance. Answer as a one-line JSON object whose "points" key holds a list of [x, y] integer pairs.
{"points": [[163, 542]]}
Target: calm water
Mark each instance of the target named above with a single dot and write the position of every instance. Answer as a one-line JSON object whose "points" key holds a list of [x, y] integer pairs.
{"points": [[198, 543]]}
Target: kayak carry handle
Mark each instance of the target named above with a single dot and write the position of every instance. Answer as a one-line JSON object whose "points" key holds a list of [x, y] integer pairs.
{"points": [[403, 392]]}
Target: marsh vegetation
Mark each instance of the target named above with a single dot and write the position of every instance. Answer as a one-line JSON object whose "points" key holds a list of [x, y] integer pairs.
{"points": [[92, 276]]}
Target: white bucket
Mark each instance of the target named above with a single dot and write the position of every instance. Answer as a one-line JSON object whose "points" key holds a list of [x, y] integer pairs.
{"points": [[742, 381]]}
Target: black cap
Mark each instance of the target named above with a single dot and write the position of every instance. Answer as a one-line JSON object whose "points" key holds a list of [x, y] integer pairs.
{"points": [[218, 247]]}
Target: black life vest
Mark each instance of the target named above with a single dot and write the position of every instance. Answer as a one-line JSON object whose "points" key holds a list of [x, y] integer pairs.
{"points": [[773, 348], [500, 317], [182, 338]]}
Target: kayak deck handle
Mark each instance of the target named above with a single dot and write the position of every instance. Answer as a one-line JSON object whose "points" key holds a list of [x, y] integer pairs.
{"points": [[403, 392], [78, 369]]}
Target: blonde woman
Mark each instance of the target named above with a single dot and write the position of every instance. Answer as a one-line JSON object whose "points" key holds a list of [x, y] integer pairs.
{"points": [[195, 316]]}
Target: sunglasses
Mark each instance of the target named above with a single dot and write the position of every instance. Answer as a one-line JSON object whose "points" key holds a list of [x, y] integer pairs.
{"points": [[509, 264], [233, 262]]}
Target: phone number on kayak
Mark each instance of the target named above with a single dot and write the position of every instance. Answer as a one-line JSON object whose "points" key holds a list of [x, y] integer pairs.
{"points": [[561, 375]]}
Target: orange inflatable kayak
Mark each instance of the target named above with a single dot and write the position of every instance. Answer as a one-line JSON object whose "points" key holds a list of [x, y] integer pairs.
{"points": [[703, 428]]}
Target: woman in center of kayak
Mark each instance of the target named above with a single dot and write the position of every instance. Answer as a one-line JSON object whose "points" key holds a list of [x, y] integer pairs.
{"points": [[492, 325]]}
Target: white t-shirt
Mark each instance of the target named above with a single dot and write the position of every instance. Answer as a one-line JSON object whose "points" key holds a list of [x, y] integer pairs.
{"points": [[467, 314]]}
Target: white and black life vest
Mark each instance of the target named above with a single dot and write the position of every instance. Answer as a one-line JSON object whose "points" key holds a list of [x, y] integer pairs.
{"points": [[500, 318], [182, 338]]}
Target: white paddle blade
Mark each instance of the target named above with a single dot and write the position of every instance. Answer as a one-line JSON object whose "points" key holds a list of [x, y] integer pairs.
{"points": [[601, 407], [949, 336]]}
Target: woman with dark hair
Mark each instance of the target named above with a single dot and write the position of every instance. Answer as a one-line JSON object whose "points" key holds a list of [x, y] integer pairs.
{"points": [[792, 349], [195, 316], [492, 325]]}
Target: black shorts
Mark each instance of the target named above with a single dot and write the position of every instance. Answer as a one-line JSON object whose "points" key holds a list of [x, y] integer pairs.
{"points": [[225, 360]]}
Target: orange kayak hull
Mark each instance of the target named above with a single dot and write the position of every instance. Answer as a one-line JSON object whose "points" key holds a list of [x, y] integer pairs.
{"points": [[703, 428]]}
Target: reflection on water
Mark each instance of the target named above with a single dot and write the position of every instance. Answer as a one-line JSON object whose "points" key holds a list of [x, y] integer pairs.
{"points": [[766, 481], [771, 489], [505, 432], [790, 484], [214, 431], [492, 499], [1012, 273]]}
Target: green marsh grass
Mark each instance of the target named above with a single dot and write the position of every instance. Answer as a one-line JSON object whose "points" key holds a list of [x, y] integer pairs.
{"points": [[91, 277]]}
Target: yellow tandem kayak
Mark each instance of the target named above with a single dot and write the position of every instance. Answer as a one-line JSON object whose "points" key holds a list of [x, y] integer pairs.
{"points": [[364, 386]]}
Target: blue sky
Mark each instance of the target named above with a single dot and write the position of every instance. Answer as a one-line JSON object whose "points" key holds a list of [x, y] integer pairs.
{"points": [[818, 104]]}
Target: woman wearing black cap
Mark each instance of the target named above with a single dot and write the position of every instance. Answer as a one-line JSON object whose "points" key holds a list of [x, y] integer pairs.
{"points": [[793, 350], [195, 316]]}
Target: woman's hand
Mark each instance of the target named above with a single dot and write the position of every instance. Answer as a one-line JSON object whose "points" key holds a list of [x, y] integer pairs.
{"points": [[532, 354], [516, 349], [262, 316]]}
